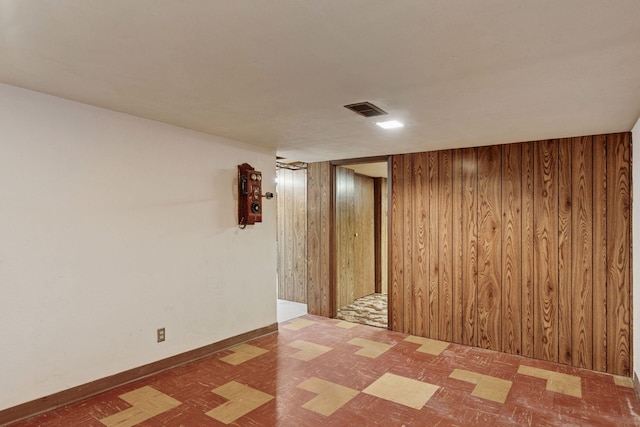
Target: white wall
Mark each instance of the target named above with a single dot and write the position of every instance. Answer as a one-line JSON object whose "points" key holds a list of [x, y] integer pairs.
{"points": [[112, 226], [635, 180]]}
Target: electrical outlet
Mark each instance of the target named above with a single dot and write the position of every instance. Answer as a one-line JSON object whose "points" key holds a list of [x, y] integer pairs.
{"points": [[161, 335]]}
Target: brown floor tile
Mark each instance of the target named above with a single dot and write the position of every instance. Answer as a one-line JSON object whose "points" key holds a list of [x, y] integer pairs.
{"points": [[358, 377]]}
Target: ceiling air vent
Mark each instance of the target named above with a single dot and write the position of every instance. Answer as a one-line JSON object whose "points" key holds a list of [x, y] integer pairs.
{"points": [[366, 109]]}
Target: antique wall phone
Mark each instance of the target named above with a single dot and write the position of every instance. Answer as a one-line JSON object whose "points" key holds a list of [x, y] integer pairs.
{"points": [[250, 195]]}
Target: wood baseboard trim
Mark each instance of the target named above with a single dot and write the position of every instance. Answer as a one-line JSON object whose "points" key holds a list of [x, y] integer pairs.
{"points": [[636, 385], [84, 391]]}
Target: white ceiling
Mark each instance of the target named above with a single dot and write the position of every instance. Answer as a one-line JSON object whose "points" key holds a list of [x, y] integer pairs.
{"points": [[277, 73]]}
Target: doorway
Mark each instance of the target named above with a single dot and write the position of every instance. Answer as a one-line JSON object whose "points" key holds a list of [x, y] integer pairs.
{"points": [[360, 226]]}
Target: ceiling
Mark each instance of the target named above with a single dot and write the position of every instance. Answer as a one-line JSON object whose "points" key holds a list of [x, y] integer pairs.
{"points": [[276, 74]]}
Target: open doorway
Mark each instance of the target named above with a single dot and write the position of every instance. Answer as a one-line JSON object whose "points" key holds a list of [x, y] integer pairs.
{"points": [[361, 243], [291, 213]]}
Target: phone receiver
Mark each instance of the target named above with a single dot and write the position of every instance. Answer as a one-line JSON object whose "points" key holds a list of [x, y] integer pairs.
{"points": [[243, 185]]}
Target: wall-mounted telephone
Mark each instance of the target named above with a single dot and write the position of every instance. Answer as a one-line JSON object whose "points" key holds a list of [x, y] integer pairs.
{"points": [[250, 195]]}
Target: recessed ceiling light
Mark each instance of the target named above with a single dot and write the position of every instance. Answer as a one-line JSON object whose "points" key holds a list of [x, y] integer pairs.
{"points": [[390, 124]]}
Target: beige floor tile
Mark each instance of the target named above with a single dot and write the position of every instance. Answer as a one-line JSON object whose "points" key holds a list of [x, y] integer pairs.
{"points": [[402, 390], [242, 400], [371, 349], [487, 387], [330, 396], [623, 381], [146, 403], [557, 382], [297, 324], [427, 345], [345, 325], [308, 350], [242, 353]]}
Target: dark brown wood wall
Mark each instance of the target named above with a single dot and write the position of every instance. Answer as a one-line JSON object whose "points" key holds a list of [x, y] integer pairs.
{"points": [[521, 248], [292, 235], [380, 192]]}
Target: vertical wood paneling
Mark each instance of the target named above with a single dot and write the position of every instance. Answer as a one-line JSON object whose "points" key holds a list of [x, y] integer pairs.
{"points": [[364, 237], [345, 234], [384, 235], [319, 291], [445, 225], [292, 235], [396, 254], [527, 250], [420, 270], [582, 253], [470, 250], [457, 246], [618, 229], [434, 247], [545, 251], [377, 223], [600, 253], [286, 262], [408, 242], [489, 248], [300, 234], [511, 249], [522, 248], [281, 234], [564, 251]]}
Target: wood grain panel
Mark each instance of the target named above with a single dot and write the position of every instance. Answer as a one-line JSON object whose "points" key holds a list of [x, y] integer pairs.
{"points": [[522, 248], [396, 253], [434, 246], [281, 235], [457, 247], [377, 223], [364, 240], [384, 235], [618, 230], [527, 250], [511, 249], [545, 283], [300, 234], [582, 253], [564, 251], [445, 261], [319, 283], [470, 250], [489, 248], [420, 269], [345, 233], [600, 253], [408, 243]]}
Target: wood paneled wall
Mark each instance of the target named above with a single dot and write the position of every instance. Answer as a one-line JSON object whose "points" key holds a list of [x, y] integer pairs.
{"points": [[292, 235], [381, 224], [364, 242], [320, 294], [345, 229], [521, 248], [354, 238]]}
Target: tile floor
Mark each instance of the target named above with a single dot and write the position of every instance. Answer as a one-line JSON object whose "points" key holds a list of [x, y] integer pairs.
{"points": [[326, 372]]}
